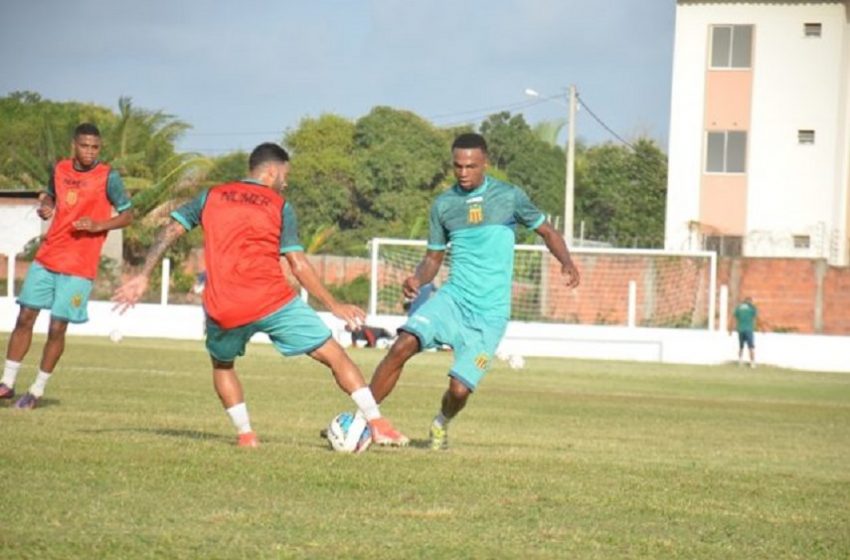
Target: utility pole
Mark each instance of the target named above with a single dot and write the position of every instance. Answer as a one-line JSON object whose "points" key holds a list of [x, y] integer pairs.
{"points": [[569, 187]]}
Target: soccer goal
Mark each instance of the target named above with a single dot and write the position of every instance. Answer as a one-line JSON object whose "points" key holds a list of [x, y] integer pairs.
{"points": [[629, 287]]}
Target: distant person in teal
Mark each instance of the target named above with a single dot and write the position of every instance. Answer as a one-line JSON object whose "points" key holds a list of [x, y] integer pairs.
{"points": [[478, 216], [745, 322]]}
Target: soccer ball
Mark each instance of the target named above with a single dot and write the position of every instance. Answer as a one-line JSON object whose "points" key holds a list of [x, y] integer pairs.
{"points": [[115, 335], [349, 433], [516, 361]]}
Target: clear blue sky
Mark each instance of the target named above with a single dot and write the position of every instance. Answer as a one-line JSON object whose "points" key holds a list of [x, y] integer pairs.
{"points": [[242, 72]]}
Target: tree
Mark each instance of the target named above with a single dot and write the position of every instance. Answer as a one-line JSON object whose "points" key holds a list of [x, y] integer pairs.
{"points": [[621, 193], [323, 176], [402, 160]]}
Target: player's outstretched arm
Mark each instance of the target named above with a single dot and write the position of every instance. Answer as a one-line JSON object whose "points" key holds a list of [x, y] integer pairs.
{"points": [[426, 271], [304, 272], [558, 247], [130, 292]]}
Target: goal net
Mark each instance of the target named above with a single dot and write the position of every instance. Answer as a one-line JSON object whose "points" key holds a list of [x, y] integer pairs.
{"points": [[651, 288]]}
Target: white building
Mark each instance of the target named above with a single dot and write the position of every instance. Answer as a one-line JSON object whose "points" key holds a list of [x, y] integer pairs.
{"points": [[759, 155]]}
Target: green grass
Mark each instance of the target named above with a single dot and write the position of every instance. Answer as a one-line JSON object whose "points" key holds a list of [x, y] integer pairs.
{"points": [[131, 456]]}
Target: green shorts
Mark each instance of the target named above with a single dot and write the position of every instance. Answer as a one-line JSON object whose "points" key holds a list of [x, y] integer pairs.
{"points": [[474, 338], [66, 296], [294, 329]]}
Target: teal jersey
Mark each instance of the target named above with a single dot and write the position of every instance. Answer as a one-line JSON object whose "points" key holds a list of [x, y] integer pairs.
{"points": [[745, 317], [189, 216], [481, 227], [115, 191]]}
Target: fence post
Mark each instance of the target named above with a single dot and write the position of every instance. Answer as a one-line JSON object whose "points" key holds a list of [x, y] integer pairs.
{"points": [[724, 308], [10, 275], [166, 274], [632, 303]]}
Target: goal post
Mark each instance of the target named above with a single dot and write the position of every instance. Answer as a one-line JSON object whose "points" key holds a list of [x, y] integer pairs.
{"points": [[643, 287]]}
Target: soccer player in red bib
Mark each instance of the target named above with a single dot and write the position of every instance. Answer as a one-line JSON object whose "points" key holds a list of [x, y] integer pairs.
{"points": [[80, 197], [248, 225]]}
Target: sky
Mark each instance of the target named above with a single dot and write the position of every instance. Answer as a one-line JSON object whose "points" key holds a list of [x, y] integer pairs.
{"points": [[244, 72]]}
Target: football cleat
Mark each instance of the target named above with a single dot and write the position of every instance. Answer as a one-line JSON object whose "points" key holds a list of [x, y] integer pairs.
{"points": [[27, 402], [439, 436], [248, 439], [383, 433], [6, 392]]}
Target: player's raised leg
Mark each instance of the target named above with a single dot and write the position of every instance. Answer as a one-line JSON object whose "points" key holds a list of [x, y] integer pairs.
{"points": [[350, 379], [389, 370]]}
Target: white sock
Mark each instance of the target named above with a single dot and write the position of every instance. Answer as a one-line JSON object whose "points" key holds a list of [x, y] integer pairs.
{"points": [[10, 373], [37, 387], [441, 420], [365, 401], [239, 416]]}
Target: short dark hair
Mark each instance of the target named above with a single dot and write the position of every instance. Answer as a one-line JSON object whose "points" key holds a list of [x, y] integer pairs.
{"points": [[86, 129], [267, 152], [470, 141]]}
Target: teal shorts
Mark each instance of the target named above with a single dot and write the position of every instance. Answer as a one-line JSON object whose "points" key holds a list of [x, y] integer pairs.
{"points": [[66, 296], [294, 329], [474, 338]]}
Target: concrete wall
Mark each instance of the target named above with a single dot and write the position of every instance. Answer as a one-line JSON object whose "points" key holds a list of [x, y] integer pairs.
{"points": [[682, 346]]}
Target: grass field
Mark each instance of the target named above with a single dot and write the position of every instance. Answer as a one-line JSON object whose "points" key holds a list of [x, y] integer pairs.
{"points": [[131, 456]]}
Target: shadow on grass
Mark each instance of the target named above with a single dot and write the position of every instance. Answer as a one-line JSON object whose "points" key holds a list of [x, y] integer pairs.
{"points": [[168, 432], [42, 403]]}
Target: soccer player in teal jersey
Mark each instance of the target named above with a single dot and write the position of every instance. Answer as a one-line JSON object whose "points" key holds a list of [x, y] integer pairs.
{"points": [[745, 323], [470, 312]]}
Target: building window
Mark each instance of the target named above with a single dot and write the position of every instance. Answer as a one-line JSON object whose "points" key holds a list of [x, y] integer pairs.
{"points": [[806, 136], [811, 29], [726, 152], [731, 46], [724, 245], [802, 241]]}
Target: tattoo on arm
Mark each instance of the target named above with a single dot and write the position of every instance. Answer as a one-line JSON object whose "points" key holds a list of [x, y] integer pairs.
{"points": [[164, 239]]}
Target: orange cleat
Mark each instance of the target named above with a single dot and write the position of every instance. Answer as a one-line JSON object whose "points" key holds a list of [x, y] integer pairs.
{"points": [[248, 439], [383, 433]]}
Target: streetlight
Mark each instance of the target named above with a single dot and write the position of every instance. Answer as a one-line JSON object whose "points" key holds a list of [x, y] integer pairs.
{"points": [[569, 187]]}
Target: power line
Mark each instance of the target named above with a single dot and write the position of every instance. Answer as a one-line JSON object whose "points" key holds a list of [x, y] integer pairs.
{"points": [[605, 126]]}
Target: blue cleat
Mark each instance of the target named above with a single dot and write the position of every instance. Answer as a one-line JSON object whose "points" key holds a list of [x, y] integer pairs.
{"points": [[27, 402]]}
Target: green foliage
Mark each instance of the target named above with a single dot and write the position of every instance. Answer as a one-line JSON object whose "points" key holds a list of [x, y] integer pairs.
{"points": [[621, 193], [402, 160], [350, 180], [323, 176], [355, 292]]}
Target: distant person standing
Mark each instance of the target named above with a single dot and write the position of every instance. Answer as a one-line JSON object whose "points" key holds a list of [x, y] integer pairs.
{"points": [[80, 197], [745, 321]]}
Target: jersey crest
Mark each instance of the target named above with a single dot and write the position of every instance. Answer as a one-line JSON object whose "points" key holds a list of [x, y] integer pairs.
{"points": [[481, 361], [71, 197], [475, 214]]}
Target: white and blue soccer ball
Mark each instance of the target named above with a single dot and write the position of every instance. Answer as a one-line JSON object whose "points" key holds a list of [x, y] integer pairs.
{"points": [[349, 433]]}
